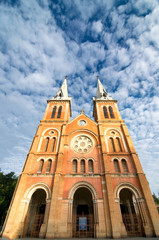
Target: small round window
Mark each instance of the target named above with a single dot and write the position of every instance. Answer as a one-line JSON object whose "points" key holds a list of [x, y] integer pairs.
{"points": [[82, 122], [112, 132], [51, 132]]}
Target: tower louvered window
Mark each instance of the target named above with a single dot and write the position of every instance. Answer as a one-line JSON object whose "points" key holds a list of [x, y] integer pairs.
{"points": [[90, 166], [48, 166], [124, 164], [59, 112], [112, 144], [105, 112], [46, 144], [40, 168], [74, 166], [118, 144], [111, 112], [82, 166], [53, 112], [116, 165], [53, 144]]}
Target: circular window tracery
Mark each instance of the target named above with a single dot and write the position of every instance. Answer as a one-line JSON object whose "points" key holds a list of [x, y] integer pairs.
{"points": [[82, 144]]}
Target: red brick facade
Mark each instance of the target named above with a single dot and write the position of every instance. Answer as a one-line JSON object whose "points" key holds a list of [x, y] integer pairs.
{"points": [[85, 169]]}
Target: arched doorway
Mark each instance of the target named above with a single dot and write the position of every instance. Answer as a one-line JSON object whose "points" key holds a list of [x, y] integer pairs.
{"points": [[35, 214], [130, 213], [83, 213]]}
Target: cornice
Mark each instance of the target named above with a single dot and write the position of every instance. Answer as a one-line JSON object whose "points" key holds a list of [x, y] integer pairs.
{"points": [[110, 120], [59, 100], [54, 121], [104, 100], [124, 175]]}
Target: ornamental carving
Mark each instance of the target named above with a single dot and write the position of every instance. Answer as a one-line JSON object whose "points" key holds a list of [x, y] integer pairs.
{"points": [[82, 144]]}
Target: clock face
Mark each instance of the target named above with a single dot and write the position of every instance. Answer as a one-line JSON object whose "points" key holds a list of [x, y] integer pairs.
{"points": [[82, 122]]}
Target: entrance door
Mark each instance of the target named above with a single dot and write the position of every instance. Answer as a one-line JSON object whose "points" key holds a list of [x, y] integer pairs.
{"points": [[130, 214], [35, 215], [38, 220], [83, 217]]}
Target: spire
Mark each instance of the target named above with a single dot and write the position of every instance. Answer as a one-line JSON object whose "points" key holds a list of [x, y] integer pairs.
{"points": [[62, 92], [101, 93]]}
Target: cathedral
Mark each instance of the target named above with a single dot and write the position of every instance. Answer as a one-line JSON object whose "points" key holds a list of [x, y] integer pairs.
{"points": [[82, 178]]}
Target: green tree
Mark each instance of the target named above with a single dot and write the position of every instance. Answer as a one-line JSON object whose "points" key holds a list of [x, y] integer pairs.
{"points": [[7, 185], [156, 199]]}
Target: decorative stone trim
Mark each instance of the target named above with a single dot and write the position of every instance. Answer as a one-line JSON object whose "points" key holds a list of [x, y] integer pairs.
{"points": [[29, 192], [80, 184], [128, 186]]}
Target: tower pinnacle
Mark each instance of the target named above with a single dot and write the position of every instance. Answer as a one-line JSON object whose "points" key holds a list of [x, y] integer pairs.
{"points": [[62, 92], [101, 93]]}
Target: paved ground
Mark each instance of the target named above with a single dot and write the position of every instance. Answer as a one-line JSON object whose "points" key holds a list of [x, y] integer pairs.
{"points": [[132, 238]]}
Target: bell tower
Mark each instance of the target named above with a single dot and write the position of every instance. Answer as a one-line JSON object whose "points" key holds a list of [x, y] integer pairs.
{"points": [[40, 171], [122, 169], [47, 138], [105, 108], [59, 107]]}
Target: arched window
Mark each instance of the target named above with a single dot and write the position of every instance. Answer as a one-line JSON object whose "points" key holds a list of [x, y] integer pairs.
{"points": [[90, 166], [59, 112], [40, 168], [53, 112], [105, 112], [111, 112], [116, 165], [118, 145], [82, 166], [124, 164], [48, 166], [53, 144], [74, 166], [46, 144], [112, 144]]}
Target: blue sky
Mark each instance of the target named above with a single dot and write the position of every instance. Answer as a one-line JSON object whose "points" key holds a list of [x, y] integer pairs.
{"points": [[41, 41]]}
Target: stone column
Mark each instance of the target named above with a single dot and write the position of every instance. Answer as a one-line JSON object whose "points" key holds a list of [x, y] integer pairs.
{"points": [[96, 219], [151, 208], [143, 211], [21, 218], [70, 211], [44, 225], [70, 217], [118, 212]]}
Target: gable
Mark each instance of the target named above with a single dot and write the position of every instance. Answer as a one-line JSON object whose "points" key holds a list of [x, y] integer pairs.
{"points": [[82, 122]]}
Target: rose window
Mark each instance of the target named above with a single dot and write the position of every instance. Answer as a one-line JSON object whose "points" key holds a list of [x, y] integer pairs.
{"points": [[82, 144]]}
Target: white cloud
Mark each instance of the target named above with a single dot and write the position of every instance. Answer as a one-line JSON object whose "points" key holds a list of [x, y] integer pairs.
{"points": [[91, 53], [97, 26]]}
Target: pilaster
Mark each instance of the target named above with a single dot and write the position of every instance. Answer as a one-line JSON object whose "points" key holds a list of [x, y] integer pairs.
{"points": [[150, 205], [54, 215], [113, 228]]}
